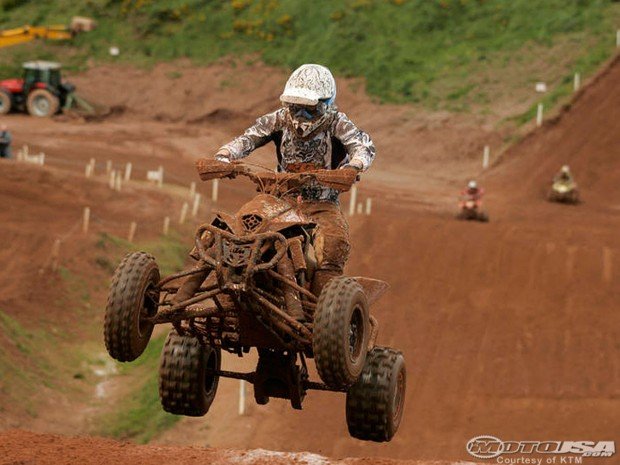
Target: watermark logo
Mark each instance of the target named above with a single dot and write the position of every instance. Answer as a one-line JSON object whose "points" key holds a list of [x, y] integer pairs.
{"points": [[485, 447], [491, 447]]}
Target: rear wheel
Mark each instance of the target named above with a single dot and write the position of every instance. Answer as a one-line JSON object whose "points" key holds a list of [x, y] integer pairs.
{"points": [[341, 332], [187, 382], [42, 103], [5, 102], [133, 298], [376, 401]]}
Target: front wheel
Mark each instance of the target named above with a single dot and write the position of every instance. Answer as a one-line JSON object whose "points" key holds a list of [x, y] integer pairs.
{"points": [[341, 332], [187, 375], [376, 401], [42, 103], [133, 298]]}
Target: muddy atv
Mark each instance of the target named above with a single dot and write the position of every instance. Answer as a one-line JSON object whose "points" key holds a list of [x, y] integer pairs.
{"points": [[563, 192], [252, 289], [471, 210]]}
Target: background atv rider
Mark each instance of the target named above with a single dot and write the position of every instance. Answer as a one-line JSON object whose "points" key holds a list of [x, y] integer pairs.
{"points": [[309, 133], [564, 176], [473, 191]]}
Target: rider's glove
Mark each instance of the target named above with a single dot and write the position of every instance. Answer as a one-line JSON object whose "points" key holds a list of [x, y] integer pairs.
{"points": [[223, 156], [355, 164]]}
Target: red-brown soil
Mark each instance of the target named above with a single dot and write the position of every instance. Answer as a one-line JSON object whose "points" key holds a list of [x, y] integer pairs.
{"points": [[509, 328], [23, 447]]}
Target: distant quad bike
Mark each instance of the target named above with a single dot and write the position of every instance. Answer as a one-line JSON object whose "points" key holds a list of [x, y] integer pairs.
{"points": [[471, 209], [564, 192], [260, 265], [40, 92]]}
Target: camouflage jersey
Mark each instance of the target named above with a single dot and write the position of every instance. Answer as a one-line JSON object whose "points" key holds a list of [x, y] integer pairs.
{"points": [[335, 142]]}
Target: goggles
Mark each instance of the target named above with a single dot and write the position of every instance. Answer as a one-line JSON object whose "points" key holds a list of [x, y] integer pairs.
{"points": [[307, 112]]}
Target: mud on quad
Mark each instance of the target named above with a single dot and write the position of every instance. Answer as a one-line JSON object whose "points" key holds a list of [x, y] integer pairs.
{"points": [[259, 266]]}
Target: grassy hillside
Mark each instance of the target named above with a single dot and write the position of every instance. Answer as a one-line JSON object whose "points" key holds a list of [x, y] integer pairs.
{"points": [[441, 53]]}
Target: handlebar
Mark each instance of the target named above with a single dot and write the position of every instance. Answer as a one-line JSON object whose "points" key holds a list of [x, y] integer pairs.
{"points": [[340, 180]]}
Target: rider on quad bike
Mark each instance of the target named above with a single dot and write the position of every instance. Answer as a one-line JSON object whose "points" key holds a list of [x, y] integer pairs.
{"points": [[471, 203], [564, 187], [309, 133], [260, 278]]}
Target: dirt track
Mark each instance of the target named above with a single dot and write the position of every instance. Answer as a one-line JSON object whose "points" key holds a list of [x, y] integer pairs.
{"points": [[509, 328], [22, 447]]}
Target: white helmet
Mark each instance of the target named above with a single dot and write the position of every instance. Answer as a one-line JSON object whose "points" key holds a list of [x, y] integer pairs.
{"points": [[472, 184], [565, 169], [308, 85]]}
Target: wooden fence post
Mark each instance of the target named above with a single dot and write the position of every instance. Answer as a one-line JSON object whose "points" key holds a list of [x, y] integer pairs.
{"points": [[352, 200], [85, 220], [166, 225], [132, 231], [183, 213]]}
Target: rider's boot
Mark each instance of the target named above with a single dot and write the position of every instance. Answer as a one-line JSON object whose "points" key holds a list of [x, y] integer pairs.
{"points": [[291, 296]]}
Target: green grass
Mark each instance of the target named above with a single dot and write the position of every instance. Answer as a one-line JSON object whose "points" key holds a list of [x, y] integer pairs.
{"points": [[140, 416], [22, 372], [40, 355], [428, 51], [169, 251]]}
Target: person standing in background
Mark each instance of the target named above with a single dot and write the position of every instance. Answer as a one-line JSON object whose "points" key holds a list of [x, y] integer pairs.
{"points": [[5, 142]]}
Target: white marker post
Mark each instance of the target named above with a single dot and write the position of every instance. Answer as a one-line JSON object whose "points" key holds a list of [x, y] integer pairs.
{"points": [[241, 397], [183, 213], [607, 265], [360, 208], [160, 181], [618, 38], [196, 205], [539, 115], [41, 159], [85, 220], [576, 82], [108, 166], [486, 155], [111, 179], [87, 170], [352, 200], [166, 225], [92, 162], [118, 181], [214, 190], [368, 206], [128, 171], [192, 190], [55, 254], [22, 155], [132, 231]]}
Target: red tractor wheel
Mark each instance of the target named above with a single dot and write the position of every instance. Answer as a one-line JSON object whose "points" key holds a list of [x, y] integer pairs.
{"points": [[5, 102], [42, 103]]}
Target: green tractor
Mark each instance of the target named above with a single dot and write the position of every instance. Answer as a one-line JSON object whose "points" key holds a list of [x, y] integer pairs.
{"points": [[41, 92]]}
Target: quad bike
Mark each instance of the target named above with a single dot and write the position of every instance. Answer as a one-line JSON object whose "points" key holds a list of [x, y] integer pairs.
{"points": [[471, 209], [563, 192], [254, 272]]}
